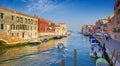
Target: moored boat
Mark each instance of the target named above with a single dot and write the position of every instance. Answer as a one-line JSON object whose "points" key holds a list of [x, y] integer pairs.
{"points": [[96, 51], [57, 37], [34, 42], [45, 40], [94, 41]]}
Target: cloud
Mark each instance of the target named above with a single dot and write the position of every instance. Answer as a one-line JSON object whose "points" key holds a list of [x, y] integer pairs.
{"points": [[41, 6]]}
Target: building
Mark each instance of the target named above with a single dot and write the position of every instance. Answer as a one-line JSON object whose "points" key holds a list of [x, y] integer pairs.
{"points": [[117, 19], [58, 30], [61, 29], [98, 27], [51, 27], [110, 25], [16, 26], [85, 30], [42, 26], [101, 26], [45, 27], [91, 28]]}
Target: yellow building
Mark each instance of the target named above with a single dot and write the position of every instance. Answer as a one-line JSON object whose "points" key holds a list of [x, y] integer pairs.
{"points": [[58, 30], [61, 29], [16, 26]]}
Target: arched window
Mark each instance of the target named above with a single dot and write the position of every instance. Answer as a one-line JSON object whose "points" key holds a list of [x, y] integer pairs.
{"points": [[12, 27]]}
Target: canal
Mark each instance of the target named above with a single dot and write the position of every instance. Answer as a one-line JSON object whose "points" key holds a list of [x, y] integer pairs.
{"points": [[46, 54]]}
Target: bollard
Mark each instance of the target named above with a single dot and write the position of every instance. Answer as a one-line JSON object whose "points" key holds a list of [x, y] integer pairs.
{"points": [[116, 56], [113, 53], [62, 62], [74, 57]]}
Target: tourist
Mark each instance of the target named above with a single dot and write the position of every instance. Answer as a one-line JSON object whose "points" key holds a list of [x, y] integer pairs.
{"points": [[104, 48]]}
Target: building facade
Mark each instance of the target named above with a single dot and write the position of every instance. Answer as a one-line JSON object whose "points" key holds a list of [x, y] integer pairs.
{"points": [[58, 30], [98, 27], [61, 29], [110, 25], [16, 26], [45, 27], [117, 19]]}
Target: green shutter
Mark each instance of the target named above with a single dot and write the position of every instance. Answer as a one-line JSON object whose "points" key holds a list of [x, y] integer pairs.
{"points": [[2, 26]]}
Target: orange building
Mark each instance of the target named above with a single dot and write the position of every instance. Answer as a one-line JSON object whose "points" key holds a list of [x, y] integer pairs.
{"points": [[45, 27]]}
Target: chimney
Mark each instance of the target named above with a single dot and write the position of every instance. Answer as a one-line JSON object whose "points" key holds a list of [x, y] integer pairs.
{"points": [[35, 16]]}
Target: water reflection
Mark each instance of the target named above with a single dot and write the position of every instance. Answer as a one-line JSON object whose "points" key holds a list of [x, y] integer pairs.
{"points": [[7, 54], [46, 54], [51, 44]]}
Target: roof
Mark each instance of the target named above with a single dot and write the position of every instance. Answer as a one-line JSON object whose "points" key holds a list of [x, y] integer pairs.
{"points": [[57, 26], [13, 11]]}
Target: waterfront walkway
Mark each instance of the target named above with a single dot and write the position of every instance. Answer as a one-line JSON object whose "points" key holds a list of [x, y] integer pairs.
{"points": [[111, 45]]}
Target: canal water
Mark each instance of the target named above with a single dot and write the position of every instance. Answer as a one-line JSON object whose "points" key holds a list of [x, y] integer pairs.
{"points": [[46, 54]]}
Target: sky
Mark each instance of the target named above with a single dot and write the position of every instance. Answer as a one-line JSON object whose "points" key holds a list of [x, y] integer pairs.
{"points": [[74, 13]]}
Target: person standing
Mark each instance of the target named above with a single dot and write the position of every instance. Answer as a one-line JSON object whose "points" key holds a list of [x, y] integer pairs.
{"points": [[104, 48]]}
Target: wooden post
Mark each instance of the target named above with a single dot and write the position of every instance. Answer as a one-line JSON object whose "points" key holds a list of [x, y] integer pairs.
{"points": [[62, 62], [74, 57], [116, 56], [113, 53]]}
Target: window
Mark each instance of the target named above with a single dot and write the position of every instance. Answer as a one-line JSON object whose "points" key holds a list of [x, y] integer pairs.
{"points": [[119, 11], [12, 34], [28, 28], [17, 19], [21, 19], [35, 22], [17, 34], [17, 27], [35, 33], [2, 26], [31, 21], [12, 17], [35, 28], [26, 20], [118, 4], [31, 27], [1, 15], [13, 27]]}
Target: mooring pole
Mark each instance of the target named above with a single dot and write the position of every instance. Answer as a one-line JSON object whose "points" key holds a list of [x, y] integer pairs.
{"points": [[74, 57], [62, 62]]}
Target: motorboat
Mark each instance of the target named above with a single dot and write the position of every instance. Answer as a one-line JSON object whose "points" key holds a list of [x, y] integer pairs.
{"points": [[96, 51], [45, 40], [60, 46], [102, 62]]}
